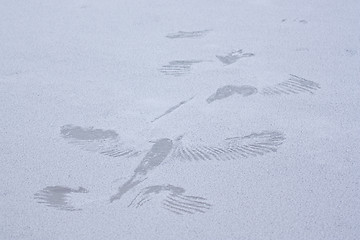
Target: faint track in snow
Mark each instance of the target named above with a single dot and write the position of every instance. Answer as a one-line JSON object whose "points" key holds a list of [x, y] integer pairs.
{"points": [[192, 35]]}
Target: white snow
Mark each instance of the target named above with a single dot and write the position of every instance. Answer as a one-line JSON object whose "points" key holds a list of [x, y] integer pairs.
{"points": [[98, 64]]}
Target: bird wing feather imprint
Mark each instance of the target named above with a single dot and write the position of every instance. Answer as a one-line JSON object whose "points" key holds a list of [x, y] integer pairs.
{"points": [[294, 85], [251, 145], [172, 198], [105, 142]]}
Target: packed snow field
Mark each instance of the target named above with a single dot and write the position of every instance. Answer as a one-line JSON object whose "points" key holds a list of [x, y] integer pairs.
{"points": [[165, 119]]}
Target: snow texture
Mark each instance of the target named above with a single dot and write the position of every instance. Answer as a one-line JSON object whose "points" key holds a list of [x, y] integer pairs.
{"points": [[180, 119]]}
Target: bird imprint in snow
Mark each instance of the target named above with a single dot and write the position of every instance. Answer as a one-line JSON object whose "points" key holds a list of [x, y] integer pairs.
{"points": [[58, 197], [172, 198], [166, 149], [179, 67], [294, 85], [194, 34], [106, 142], [234, 57], [229, 148]]}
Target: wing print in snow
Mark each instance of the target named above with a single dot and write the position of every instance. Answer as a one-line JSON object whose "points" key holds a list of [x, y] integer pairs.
{"points": [[172, 198], [58, 197], [251, 145], [294, 85], [106, 142]]}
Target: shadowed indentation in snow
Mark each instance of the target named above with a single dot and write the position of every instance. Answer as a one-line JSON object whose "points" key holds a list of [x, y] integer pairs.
{"points": [[234, 57], [172, 109], [234, 148], [172, 198], [179, 67], [153, 158], [105, 142], [229, 90], [58, 197], [351, 52], [80, 133], [303, 21], [194, 34], [294, 85]]}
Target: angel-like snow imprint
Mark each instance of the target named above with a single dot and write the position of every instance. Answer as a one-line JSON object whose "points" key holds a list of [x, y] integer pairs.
{"points": [[166, 149]]}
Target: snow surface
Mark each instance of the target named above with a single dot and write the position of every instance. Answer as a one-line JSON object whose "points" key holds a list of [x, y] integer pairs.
{"points": [[190, 119]]}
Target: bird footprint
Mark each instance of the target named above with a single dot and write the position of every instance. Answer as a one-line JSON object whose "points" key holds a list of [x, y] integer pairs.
{"points": [[172, 198]]}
